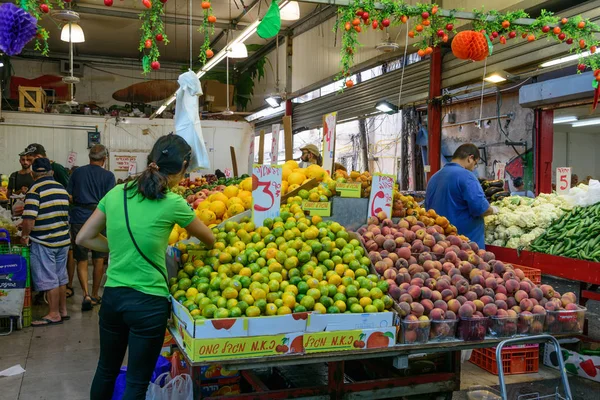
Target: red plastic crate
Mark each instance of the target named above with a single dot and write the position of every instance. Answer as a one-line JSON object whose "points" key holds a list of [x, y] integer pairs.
{"points": [[515, 360], [534, 274]]}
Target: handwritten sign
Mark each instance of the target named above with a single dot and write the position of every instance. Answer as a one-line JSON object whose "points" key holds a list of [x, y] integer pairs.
{"points": [[500, 171], [351, 190], [228, 173], [382, 193], [275, 143], [132, 169], [266, 192], [329, 122], [322, 208], [122, 162], [72, 159], [251, 155], [563, 180]]}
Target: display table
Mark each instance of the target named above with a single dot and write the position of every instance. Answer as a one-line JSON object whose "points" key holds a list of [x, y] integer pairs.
{"points": [[338, 387]]}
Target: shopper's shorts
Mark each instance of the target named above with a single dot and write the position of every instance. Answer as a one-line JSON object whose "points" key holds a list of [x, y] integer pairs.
{"points": [[48, 266], [80, 253]]}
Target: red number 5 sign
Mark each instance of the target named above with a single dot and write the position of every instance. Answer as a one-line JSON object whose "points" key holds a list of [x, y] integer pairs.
{"points": [[382, 194], [266, 192], [563, 180]]}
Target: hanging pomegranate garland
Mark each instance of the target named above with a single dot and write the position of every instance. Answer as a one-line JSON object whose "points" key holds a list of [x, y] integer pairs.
{"points": [[153, 34], [207, 29]]}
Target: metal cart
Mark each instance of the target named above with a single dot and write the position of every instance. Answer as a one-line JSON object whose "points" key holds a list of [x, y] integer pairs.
{"points": [[13, 283], [561, 363]]}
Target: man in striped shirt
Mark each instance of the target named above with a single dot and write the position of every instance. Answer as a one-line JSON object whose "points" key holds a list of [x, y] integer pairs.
{"points": [[46, 225]]}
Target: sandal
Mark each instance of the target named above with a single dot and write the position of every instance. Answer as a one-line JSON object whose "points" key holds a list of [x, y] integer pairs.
{"points": [[65, 317], [70, 291], [86, 305], [45, 322], [96, 301]]}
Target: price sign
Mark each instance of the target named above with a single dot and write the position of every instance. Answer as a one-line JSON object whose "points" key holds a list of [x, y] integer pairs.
{"points": [[275, 144], [266, 192], [349, 189], [329, 122], [228, 173], [251, 155], [322, 208], [71, 159], [500, 171], [382, 194], [132, 170], [563, 180]]}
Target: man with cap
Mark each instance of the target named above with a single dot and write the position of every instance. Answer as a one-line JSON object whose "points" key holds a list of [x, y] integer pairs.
{"points": [[310, 155], [46, 225], [38, 151], [87, 186], [520, 188]]}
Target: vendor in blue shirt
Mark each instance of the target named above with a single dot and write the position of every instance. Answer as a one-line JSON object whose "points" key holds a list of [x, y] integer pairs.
{"points": [[455, 193]]}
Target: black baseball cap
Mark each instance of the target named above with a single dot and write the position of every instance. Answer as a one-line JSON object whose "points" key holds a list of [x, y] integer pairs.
{"points": [[41, 165], [34, 149]]}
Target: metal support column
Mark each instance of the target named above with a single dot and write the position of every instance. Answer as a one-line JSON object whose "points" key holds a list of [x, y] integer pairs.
{"points": [[543, 147], [336, 379], [434, 112]]}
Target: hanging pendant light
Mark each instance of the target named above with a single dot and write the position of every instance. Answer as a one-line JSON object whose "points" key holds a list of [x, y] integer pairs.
{"points": [[290, 12], [238, 50], [77, 35]]}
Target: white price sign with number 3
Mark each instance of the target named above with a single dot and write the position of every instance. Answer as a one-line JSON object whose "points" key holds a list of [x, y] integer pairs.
{"points": [[563, 180], [382, 195], [266, 192]]}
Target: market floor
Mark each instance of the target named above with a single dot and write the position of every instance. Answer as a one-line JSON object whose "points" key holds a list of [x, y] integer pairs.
{"points": [[60, 360]]}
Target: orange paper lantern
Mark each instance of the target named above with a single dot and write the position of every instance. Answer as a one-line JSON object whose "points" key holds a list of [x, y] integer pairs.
{"points": [[470, 45]]}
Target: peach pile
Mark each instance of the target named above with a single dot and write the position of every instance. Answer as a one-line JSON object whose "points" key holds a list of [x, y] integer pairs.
{"points": [[432, 276]]}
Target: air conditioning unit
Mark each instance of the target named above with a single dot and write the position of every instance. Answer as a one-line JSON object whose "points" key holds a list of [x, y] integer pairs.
{"points": [[66, 70]]}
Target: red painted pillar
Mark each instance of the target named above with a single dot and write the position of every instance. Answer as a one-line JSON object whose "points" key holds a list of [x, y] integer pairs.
{"points": [[544, 143], [288, 107], [434, 112]]}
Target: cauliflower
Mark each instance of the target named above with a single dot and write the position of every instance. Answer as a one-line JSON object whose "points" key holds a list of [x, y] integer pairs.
{"points": [[499, 243], [521, 219]]}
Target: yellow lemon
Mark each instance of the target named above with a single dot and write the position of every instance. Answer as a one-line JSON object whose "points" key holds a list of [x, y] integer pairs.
{"points": [[231, 191]]}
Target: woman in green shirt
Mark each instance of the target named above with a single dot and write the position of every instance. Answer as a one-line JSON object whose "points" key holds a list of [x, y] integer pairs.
{"points": [[138, 218]]}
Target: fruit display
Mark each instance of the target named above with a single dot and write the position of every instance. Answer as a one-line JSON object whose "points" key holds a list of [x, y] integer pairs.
{"points": [[3, 188], [437, 277], [364, 178], [291, 264], [293, 177], [521, 220], [575, 235]]}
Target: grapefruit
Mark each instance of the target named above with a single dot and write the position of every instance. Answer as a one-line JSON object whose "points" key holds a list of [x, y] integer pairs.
{"points": [[218, 207], [246, 184], [231, 191], [207, 216], [296, 178]]}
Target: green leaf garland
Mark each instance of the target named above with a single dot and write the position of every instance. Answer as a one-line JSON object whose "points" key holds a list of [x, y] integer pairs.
{"points": [[152, 27]]}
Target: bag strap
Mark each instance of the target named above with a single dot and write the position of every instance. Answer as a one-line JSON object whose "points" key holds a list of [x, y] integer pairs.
{"points": [[156, 267]]}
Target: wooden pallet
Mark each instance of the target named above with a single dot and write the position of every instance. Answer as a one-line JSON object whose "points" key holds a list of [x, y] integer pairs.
{"points": [[32, 99]]}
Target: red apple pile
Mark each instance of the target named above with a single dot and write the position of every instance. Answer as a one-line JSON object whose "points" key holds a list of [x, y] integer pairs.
{"points": [[436, 277]]}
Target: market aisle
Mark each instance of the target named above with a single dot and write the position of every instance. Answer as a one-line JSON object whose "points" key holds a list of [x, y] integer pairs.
{"points": [[59, 360]]}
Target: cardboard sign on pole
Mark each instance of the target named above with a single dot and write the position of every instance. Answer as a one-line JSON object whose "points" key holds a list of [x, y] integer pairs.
{"points": [[563, 180], [228, 173], [500, 171], [275, 144], [261, 147], [132, 170], [329, 122], [266, 192], [251, 155], [71, 160], [382, 194]]}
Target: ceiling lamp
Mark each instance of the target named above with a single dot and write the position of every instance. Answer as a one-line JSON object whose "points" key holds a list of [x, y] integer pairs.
{"points": [[274, 100], [386, 107], [290, 12], [76, 34], [238, 50], [586, 122], [566, 59]]}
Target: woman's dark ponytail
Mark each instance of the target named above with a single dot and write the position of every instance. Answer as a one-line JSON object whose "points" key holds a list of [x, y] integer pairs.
{"points": [[170, 155]]}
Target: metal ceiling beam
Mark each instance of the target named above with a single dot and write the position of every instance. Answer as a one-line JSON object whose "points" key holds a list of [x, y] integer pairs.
{"points": [[168, 18], [235, 21]]}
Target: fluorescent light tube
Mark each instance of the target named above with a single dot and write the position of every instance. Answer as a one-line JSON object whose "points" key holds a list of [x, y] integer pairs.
{"points": [[566, 59], [564, 120], [587, 122], [495, 78]]}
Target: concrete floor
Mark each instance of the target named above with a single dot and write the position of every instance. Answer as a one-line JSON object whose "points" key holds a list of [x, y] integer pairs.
{"points": [[60, 360]]}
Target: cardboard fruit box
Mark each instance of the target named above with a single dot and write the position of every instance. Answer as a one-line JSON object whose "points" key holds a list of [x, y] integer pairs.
{"points": [[581, 358], [357, 339]]}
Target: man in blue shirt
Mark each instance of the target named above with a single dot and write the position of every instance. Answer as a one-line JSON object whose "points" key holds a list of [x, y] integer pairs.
{"points": [[87, 186], [455, 193], [520, 189]]}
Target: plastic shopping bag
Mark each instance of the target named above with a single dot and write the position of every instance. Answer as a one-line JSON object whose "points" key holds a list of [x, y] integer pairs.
{"points": [[161, 371], [179, 388], [187, 120]]}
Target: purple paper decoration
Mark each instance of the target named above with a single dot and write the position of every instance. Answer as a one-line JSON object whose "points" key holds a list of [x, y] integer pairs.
{"points": [[17, 27]]}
